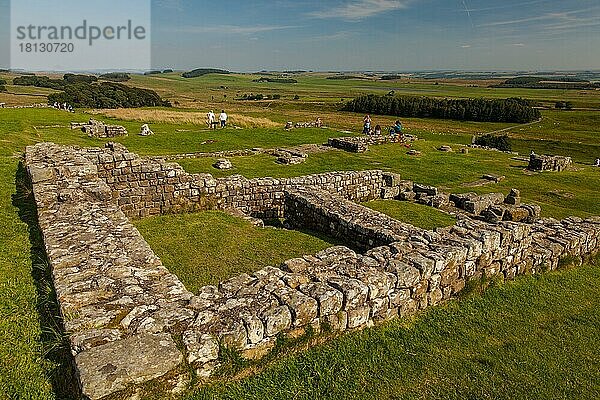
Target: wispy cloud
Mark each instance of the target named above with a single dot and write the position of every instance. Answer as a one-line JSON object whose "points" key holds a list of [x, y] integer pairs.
{"points": [[360, 9], [231, 29], [567, 17], [170, 4], [342, 35], [466, 46]]}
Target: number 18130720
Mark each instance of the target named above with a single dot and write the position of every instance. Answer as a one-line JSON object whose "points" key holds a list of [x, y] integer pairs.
{"points": [[46, 47]]}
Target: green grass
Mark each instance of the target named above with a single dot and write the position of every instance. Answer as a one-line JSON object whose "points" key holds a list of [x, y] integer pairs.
{"points": [[23, 368], [536, 338], [415, 214], [208, 247]]}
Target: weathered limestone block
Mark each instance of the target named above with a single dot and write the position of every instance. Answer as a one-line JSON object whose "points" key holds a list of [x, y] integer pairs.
{"points": [[276, 319], [201, 347], [355, 292], [329, 299], [254, 327], [391, 179], [338, 321], [407, 275], [304, 308], [425, 265], [428, 190], [477, 204], [296, 265], [113, 366], [358, 317]]}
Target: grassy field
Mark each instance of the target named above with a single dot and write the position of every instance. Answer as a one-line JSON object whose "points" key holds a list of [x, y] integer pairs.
{"points": [[547, 328], [208, 247], [415, 214]]}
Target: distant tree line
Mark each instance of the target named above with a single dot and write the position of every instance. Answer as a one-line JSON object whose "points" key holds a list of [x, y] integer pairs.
{"points": [[390, 77], [2, 87], [259, 96], [275, 80], [496, 142], [540, 82], [158, 72], [203, 71], [115, 77], [482, 110], [57, 84], [85, 91], [344, 77], [107, 95]]}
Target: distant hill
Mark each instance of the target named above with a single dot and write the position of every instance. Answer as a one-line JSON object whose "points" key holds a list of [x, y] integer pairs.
{"points": [[203, 71]]}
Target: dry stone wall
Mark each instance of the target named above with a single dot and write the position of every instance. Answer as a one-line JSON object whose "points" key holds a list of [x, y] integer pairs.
{"points": [[144, 187], [125, 311]]}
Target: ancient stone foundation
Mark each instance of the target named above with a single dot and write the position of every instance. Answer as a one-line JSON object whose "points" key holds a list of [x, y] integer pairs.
{"points": [[130, 320], [99, 129], [360, 144], [548, 163]]}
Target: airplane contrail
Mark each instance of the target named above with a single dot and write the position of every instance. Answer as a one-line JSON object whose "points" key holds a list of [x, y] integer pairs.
{"points": [[468, 13]]}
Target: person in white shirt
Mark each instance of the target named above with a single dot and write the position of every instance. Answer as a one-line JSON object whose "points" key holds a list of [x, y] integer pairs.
{"points": [[223, 119], [210, 119]]}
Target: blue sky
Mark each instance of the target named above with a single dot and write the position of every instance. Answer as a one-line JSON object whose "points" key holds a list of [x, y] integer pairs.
{"points": [[394, 35]]}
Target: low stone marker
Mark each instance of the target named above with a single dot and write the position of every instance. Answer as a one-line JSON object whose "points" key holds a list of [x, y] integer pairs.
{"points": [[146, 131], [223, 164]]}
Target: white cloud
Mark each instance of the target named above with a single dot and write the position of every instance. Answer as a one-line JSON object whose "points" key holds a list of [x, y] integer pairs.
{"points": [[360, 9]]}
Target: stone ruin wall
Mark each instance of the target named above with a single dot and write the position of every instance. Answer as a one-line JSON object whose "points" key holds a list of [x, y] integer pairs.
{"points": [[542, 163], [145, 187], [125, 311]]}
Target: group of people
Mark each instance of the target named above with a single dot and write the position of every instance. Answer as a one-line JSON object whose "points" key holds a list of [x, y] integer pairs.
{"points": [[63, 106], [367, 130], [211, 119]]}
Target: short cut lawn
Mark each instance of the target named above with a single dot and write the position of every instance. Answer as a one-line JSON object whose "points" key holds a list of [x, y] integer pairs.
{"points": [[208, 247]]}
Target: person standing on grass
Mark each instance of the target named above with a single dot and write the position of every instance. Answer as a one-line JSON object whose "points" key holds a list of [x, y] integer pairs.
{"points": [[223, 119], [210, 119], [367, 125]]}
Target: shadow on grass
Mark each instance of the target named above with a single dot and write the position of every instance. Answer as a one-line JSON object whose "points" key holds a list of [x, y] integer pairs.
{"points": [[54, 340]]}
